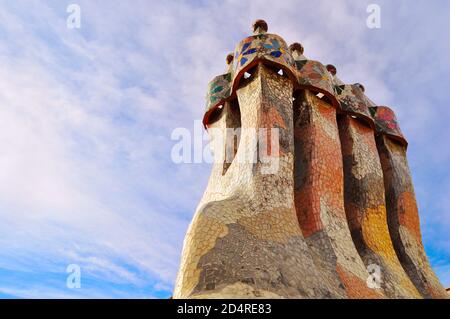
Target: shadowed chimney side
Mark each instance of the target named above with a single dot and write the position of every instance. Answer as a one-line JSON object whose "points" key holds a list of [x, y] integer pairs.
{"points": [[401, 205], [318, 179], [364, 193]]}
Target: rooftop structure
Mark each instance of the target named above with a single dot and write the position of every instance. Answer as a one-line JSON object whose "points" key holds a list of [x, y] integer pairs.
{"points": [[336, 217]]}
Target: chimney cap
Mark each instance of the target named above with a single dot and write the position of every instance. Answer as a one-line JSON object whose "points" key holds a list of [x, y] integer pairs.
{"points": [[260, 26], [361, 86], [296, 47], [229, 58], [332, 69]]}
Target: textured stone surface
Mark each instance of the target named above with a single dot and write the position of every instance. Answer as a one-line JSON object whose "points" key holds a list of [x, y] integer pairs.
{"points": [[366, 209], [403, 218], [319, 194]]}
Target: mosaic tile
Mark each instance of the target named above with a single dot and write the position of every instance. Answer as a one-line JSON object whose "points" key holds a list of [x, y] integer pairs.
{"points": [[386, 123], [403, 216], [365, 207]]}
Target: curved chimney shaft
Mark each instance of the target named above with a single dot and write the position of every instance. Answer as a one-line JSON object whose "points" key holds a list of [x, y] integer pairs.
{"points": [[244, 240], [319, 194], [402, 211], [365, 207]]}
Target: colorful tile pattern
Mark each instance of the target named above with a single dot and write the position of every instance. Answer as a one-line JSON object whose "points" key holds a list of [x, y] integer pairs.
{"points": [[269, 48], [319, 195], [386, 123], [403, 217], [313, 75], [353, 101], [219, 90], [365, 207]]}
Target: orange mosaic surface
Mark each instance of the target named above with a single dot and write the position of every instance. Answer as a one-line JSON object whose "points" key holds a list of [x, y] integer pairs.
{"points": [[408, 214], [356, 287], [323, 176]]}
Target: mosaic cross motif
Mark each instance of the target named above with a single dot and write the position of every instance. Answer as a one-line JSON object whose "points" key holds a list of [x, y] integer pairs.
{"points": [[268, 47]]}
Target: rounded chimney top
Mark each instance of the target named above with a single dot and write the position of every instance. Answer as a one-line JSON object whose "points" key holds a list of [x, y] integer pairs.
{"points": [[361, 86], [260, 26], [296, 47], [332, 69], [229, 58]]}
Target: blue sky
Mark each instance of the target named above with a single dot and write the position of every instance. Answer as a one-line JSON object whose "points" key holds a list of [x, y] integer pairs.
{"points": [[86, 117]]}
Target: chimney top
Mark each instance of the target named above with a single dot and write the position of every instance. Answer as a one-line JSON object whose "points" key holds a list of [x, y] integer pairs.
{"points": [[230, 58], [260, 26], [332, 69], [361, 86], [296, 47]]}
